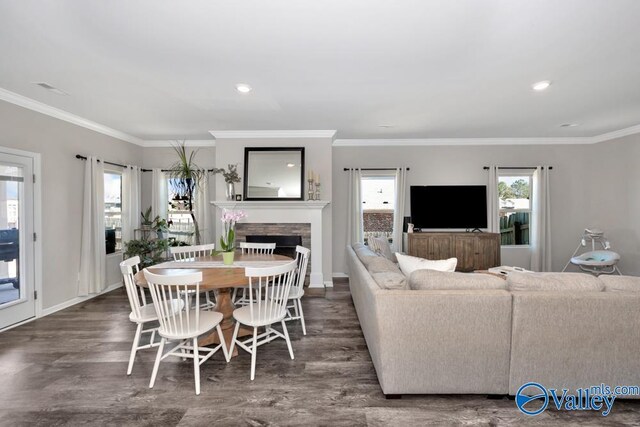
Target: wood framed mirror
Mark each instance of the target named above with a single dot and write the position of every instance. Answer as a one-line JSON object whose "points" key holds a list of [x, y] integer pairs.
{"points": [[274, 173]]}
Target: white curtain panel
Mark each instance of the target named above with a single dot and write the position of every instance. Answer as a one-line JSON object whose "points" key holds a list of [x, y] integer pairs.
{"points": [[203, 210], [541, 225], [398, 217], [92, 242], [131, 184], [159, 195], [355, 230], [493, 201]]}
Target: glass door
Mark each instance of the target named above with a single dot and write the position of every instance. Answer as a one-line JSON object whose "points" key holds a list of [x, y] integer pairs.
{"points": [[17, 296]]}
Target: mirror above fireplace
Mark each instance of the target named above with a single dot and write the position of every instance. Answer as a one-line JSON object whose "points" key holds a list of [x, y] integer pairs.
{"points": [[274, 173]]}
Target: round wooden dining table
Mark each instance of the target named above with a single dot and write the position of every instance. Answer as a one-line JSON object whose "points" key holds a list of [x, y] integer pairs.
{"points": [[221, 280]]}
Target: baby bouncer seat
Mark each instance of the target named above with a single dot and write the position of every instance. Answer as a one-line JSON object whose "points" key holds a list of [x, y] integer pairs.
{"points": [[596, 262]]}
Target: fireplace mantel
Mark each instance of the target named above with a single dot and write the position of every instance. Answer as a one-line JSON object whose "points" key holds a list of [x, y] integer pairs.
{"points": [[284, 204], [289, 212]]}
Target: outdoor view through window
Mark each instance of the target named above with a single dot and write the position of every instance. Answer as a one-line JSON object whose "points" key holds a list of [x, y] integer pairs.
{"points": [[378, 205], [514, 192]]}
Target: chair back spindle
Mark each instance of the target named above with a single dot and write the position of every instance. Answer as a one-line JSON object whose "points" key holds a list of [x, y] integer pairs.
{"points": [[190, 253], [257, 248], [269, 287], [135, 294]]}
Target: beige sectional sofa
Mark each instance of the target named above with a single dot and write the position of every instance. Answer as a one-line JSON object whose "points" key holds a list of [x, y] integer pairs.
{"points": [[472, 334]]}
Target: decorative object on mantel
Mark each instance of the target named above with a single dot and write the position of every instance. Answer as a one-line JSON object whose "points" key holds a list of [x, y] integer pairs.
{"points": [[238, 197], [228, 239], [230, 178], [186, 177], [314, 186]]}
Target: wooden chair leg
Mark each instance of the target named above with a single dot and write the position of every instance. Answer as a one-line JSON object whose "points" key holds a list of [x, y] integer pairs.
{"points": [[254, 352], [227, 355], [134, 348], [233, 340], [304, 327], [286, 337], [196, 365], [155, 365]]}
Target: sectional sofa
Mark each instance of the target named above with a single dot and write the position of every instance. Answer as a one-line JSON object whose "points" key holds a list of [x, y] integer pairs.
{"points": [[468, 333]]}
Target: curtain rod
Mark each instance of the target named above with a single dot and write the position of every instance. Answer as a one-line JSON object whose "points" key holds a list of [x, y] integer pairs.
{"points": [[374, 169], [519, 167], [78, 156]]}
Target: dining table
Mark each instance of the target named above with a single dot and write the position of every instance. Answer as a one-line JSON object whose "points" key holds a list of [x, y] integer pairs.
{"points": [[221, 279]]}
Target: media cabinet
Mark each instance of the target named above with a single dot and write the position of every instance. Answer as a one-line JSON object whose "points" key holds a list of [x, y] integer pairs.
{"points": [[475, 251]]}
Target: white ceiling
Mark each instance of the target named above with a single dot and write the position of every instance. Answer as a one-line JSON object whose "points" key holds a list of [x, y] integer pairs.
{"points": [[159, 69]]}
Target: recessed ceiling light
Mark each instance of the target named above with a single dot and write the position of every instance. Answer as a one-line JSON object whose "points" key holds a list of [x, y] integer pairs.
{"points": [[51, 88], [243, 88], [568, 125], [541, 85], [290, 165]]}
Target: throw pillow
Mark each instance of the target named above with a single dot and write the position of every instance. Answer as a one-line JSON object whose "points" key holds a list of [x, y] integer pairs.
{"points": [[380, 245], [620, 283], [408, 264], [382, 265], [441, 280], [366, 255], [569, 282]]}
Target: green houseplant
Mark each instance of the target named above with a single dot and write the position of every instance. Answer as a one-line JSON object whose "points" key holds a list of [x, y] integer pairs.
{"points": [[228, 238], [187, 177], [150, 251]]}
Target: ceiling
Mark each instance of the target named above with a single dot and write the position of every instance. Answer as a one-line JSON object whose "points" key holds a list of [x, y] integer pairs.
{"points": [[159, 69]]}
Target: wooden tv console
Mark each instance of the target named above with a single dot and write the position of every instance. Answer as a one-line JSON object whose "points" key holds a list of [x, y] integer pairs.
{"points": [[475, 251]]}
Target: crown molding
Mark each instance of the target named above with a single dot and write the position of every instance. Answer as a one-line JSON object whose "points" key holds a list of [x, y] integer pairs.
{"points": [[616, 134], [246, 134], [459, 141], [168, 143], [57, 113]]}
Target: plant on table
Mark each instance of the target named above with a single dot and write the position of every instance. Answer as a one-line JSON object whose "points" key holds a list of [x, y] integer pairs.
{"points": [[229, 219]]}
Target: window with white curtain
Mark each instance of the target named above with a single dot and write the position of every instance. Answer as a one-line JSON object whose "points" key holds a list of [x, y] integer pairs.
{"points": [[178, 217], [113, 210], [378, 205], [515, 192]]}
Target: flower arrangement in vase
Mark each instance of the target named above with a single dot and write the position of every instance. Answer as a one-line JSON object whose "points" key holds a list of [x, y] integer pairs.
{"points": [[229, 219], [230, 178]]}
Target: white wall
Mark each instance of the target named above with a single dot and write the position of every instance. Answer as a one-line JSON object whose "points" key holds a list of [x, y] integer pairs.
{"points": [[62, 183], [572, 200], [317, 158]]}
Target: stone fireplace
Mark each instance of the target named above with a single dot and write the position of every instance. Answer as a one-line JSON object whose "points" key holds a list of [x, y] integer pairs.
{"points": [[285, 236], [284, 218]]}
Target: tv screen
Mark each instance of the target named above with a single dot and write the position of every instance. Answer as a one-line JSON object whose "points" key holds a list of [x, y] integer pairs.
{"points": [[449, 206]]}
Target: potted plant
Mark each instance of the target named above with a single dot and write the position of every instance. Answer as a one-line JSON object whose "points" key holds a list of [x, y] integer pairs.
{"points": [[230, 177], [228, 238], [187, 177], [146, 220], [151, 252]]}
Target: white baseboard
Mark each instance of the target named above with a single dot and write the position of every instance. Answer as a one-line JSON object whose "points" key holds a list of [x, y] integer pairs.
{"points": [[339, 275], [328, 283], [77, 300]]}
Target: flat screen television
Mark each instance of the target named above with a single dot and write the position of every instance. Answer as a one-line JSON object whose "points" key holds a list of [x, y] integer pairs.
{"points": [[449, 206]]}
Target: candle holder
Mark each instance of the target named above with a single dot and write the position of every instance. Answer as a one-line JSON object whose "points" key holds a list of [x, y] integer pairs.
{"points": [[317, 191], [311, 190]]}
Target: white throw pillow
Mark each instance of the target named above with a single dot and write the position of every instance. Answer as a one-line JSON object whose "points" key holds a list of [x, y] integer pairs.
{"points": [[408, 264]]}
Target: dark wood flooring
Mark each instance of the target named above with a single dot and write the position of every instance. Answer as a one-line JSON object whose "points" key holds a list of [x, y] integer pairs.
{"points": [[69, 369]]}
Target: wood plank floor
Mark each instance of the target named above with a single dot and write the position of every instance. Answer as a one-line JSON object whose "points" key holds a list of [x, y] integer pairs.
{"points": [[69, 369]]}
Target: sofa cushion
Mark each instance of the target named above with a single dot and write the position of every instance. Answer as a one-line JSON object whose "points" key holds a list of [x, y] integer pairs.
{"points": [[382, 265], [620, 283], [366, 255], [408, 264], [570, 282], [390, 280], [380, 245], [440, 280]]}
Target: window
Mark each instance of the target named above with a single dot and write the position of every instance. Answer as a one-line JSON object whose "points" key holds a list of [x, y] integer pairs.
{"points": [[514, 192], [113, 211], [178, 217], [378, 206]]}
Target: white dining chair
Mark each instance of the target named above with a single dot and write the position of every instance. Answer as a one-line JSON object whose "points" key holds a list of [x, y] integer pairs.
{"points": [[297, 288], [267, 287], [141, 312], [183, 326], [257, 248], [190, 253], [251, 248]]}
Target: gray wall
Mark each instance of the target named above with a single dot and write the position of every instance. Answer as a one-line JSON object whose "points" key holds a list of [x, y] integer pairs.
{"points": [[574, 204], [62, 182]]}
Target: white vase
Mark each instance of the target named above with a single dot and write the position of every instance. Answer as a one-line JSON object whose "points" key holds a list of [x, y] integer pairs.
{"points": [[231, 191]]}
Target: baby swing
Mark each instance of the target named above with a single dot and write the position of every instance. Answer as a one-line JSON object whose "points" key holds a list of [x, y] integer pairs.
{"points": [[596, 262]]}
